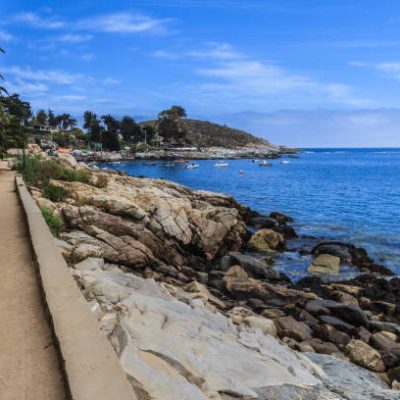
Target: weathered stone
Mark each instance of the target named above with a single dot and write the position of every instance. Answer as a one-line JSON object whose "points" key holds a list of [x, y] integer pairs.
{"points": [[266, 326], [385, 326], [90, 264], [337, 323], [323, 347], [272, 313], [348, 312], [266, 240], [288, 326], [329, 333], [382, 342], [325, 264], [254, 267], [343, 297], [365, 356], [394, 374]]}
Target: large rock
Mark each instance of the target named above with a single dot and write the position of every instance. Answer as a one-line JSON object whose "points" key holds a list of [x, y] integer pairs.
{"points": [[266, 240], [325, 264], [252, 266], [155, 221], [365, 356], [288, 326]]}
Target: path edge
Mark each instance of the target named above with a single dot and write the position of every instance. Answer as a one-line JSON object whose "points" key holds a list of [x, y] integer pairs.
{"points": [[91, 367]]}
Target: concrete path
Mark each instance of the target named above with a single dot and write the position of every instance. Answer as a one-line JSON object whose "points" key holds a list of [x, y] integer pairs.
{"points": [[29, 365]]}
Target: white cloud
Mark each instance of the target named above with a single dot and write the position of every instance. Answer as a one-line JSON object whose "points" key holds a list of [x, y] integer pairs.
{"points": [[123, 22], [6, 37], [53, 76], [167, 55], [390, 69], [216, 50], [73, 38], [240, 78], [37, 21]]}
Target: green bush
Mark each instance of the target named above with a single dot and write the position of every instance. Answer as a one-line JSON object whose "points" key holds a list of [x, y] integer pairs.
{"points": [[52, 221], [38, 172], [54, 193]]}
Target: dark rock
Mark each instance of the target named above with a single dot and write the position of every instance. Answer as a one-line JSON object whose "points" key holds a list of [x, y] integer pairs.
{"points": [[394, 374], [385, 326], [331, 334], [288, 326], [281, 217], [363, 334], [390, 360], [255, 268], [322, 347], [316, 309], [381, 342], [343, 297], [217, 284], [348, 312], [337, 323], [351, 255], [385, 307], [256, 304]]}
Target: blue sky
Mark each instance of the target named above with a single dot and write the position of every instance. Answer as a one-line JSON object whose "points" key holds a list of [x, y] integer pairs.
{"points": [[297, 72]]}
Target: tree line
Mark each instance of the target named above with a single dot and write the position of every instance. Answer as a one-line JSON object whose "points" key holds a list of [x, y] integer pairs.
{"points": [[105, 132]]}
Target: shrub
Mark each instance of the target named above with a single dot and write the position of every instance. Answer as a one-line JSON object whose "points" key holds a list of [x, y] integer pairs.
{"points": [[38, 172], [54, 193], [52, 221], [102, 181]]}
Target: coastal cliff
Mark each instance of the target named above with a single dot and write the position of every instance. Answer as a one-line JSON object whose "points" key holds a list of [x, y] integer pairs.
{"points": [[170, 273]]}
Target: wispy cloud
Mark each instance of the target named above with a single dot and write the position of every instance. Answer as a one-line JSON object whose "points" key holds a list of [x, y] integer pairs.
{"points": [[124, 22], [73, 38], [54, 76], [37, 21], [234, 74], [87, 57], [216, 50], [6, 37], [167, 55], [389, 68]]}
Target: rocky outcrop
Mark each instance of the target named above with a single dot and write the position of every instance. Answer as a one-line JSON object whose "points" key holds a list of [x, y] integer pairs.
{"points": [[191, 316]]}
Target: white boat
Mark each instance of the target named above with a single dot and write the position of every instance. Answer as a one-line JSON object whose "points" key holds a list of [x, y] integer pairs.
{"points": [[192, 166], [221, 164], [285, 162], [264, 163]]}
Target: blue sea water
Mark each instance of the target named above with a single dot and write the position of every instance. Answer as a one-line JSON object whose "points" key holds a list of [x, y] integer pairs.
{"points": [[346, 194]]}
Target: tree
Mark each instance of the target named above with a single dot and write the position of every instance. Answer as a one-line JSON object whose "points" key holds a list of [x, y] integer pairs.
{"points": [[18, 108], [149, 133], [41, 117], [66, 121], [52, 119], [168, 125], [93, 127], [130, 130], [110, 136]]}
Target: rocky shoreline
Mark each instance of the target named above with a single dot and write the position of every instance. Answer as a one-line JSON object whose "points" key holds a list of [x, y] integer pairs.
{"points": [[192, 314]]}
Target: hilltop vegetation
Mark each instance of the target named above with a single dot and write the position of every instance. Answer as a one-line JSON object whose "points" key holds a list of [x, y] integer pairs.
{"points": [[208, 134]]}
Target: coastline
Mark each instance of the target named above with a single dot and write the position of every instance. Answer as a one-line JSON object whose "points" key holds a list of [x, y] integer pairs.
{"points": [[195, 244]]}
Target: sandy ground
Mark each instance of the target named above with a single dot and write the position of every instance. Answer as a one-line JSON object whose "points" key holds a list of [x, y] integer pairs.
{"points": [[29, 366]]}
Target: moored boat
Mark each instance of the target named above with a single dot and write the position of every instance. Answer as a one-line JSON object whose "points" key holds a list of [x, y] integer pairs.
{"points": [[264, 163], [192, 166], [221, 164]]}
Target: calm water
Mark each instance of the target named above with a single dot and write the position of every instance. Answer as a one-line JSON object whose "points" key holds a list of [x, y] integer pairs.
{"points": [[350, 194]]}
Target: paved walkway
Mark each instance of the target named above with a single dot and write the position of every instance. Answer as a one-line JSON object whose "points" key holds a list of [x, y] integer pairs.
{"points": [[29, 367]]}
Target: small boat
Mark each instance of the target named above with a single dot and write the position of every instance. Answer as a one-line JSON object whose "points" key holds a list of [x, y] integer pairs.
{"points": [[116, 163], [149, 163], [241, 172], [221, 164], [169, 164], [285, 162], [255, 161], [181, 161], [192, 166], [264, 163]]}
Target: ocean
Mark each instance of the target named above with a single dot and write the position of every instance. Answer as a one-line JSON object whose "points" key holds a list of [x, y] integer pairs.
{"points": [[343, 194]]}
